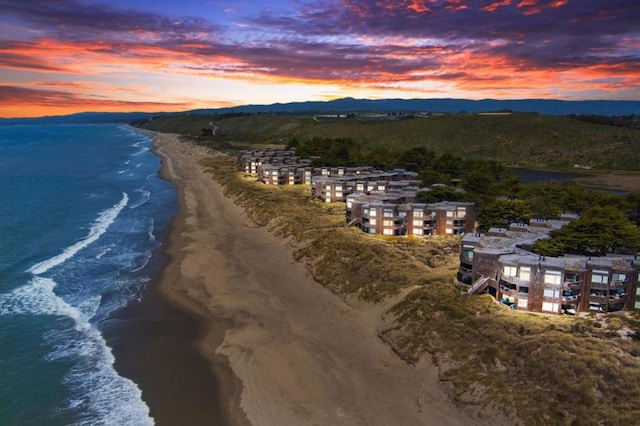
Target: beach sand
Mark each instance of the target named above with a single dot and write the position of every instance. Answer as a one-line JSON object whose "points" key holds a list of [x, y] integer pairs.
{"points": [[299, 354]]}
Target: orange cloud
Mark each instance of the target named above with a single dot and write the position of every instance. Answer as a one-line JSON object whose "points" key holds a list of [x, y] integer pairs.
{"points": [[16, 101]]}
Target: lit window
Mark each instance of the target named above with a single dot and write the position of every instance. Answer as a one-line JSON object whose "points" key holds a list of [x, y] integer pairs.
{"points": [[525, 273], [417, 223], [509, 271], [523, 303], [387, 231], [549, 307], [553, 277], [418, 213]]}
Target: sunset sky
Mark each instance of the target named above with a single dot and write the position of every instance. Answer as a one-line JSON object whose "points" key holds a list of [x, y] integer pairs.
{"points": [[65, 56]]}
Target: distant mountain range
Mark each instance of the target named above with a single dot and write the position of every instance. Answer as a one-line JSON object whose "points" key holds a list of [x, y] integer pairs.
{"points": [[345, 105]]}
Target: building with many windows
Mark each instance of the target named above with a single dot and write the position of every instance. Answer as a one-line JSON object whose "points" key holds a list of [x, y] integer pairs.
{"points": [[500, 263]]}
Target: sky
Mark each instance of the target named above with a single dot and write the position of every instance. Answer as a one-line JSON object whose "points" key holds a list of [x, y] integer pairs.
{"points": [[66, 56]]}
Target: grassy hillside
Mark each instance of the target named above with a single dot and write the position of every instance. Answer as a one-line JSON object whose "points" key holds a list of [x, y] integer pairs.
{"points": [[545, 370], [522, 139]]}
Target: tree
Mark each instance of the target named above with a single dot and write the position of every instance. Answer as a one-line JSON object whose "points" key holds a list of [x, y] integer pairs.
{"points": [[599, 231], [502, 212]]}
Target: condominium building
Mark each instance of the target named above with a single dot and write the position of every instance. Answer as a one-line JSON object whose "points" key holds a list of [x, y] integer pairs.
{"points": [[501, 264]]}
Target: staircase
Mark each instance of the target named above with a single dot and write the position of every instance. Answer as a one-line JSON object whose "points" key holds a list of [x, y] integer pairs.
{"points": [[353, 222], [478, 285]]}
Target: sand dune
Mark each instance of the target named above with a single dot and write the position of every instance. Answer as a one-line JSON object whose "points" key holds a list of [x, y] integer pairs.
{"points": [[300, 354]]}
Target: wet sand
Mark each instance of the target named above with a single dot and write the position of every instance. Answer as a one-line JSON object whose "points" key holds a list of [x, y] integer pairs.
{"points": [[299, 354]]}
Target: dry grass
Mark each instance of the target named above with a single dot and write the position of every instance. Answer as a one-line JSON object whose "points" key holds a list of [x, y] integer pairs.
{"points": [[544, 370]]}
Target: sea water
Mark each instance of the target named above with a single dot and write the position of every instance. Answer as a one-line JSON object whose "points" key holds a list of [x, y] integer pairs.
{"points": [[82, 209]]}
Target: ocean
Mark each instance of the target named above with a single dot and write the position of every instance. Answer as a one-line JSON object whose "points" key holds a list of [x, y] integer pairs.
{"points": [[82, 215]]}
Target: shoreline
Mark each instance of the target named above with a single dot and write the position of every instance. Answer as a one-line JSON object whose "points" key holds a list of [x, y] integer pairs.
{"points": [[154, 342], [285, 350]]}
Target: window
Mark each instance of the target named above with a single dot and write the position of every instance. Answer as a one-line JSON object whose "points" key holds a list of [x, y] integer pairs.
{"points": [[381, 188], [417, 231], [449, 213], [638, 291], [467, 253], [417, 223], [553, 277], [548, 292], [618, 277], [387, 223], [449, 231], [599, 277], [349, 204], [525, 273], [637, 305], [549, 307], [359, 187], [388, 213], [418, 213], [372, 212], [372, 222], [449, 222], [523, 303], [509, 271], [387, 231], [523, 290], [372, 230]]}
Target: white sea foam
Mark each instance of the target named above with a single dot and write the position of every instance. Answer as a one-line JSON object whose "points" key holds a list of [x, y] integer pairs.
{"points": [[38, 298], [99, 394], [145, 262], [145, 197], [99, 227], [152, 224], [105, 251], [140, 152]]}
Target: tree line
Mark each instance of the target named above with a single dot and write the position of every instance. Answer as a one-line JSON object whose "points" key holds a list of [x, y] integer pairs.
{"points": [[608, 223]]}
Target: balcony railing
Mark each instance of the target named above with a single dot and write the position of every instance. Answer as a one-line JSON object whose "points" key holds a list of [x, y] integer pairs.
{"points": [[572, 285]]}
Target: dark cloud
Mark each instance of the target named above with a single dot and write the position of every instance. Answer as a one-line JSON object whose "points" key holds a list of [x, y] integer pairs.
{"points": [[76, 20], [350, 40]]}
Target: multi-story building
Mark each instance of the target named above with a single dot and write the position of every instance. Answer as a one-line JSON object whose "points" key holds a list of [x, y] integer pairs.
{"points": [[397, 213], [500, 263]]}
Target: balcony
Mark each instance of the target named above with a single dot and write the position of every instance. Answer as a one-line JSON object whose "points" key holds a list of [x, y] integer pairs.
{"points": [[572, 285], [618, 284], [570, 298]]}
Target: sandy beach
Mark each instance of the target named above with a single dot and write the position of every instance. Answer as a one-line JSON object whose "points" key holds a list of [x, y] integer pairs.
{"points": [[299, 354]]}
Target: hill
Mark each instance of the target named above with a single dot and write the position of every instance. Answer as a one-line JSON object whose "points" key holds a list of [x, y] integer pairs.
{"points": [[516, 139], [347, 105]]}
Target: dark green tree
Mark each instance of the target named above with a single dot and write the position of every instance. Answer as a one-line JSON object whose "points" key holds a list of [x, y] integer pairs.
{"points": [[599, 231]]}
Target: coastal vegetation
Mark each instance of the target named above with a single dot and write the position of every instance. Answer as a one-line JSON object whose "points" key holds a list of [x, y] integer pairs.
{"points": [[524, 139], [544, 370]]}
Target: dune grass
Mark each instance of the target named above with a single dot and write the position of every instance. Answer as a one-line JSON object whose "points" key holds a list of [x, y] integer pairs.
{"points": [[540, 369]]}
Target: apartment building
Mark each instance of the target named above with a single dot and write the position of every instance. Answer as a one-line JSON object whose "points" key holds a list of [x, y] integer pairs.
{"points": [[398, 214], [500, 263]]}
